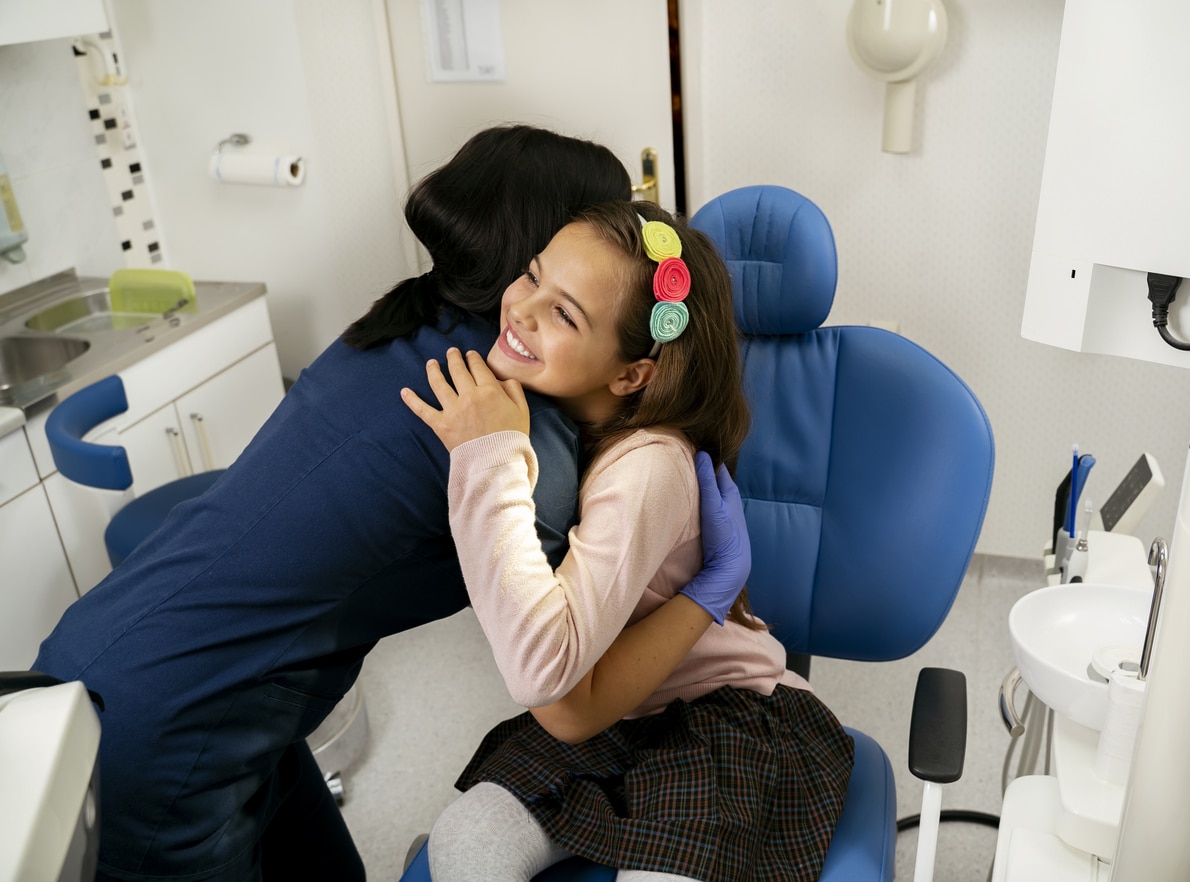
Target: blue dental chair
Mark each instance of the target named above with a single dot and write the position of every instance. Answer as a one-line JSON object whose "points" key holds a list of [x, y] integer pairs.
{"points": [[106, 467], [865, 480]]}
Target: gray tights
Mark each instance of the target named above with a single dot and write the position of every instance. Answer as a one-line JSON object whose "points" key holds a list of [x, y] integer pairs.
{"points": [[486, 835]]}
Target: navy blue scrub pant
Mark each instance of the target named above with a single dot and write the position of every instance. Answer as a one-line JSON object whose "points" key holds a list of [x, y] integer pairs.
{"points": [[307, 837]]}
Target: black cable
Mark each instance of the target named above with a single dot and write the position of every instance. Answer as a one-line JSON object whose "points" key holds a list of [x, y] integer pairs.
{"points": [[1171, 339], [1162, 291], [964, 815]]}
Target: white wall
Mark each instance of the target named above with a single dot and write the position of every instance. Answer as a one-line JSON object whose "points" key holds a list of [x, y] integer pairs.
{"points": [[49, 148], [298, 76], [938, 240]]}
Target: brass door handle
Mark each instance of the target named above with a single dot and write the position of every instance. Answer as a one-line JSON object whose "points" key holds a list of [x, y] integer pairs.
{"points": [[648, 190]]}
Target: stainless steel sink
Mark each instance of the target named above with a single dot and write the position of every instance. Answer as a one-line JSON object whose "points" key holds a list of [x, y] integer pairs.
{"points": [[64, 332], [29, 358], [92, 312]]}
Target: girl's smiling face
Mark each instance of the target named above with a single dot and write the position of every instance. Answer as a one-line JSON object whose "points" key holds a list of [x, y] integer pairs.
{"points": [[558, 331]]}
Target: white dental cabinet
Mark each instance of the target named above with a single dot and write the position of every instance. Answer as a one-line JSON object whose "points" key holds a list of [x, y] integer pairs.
{"points": [[195, 399]]}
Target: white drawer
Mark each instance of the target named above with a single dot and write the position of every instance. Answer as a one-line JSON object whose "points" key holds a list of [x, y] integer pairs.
{"points": [[17, 471]]}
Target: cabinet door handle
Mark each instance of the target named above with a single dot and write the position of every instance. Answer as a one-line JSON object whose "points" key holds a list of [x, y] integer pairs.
{"points": [[181, 457], [204, 441]]}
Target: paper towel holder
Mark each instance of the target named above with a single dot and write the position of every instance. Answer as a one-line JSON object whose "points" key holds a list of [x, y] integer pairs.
{"points": [[236, 139]]}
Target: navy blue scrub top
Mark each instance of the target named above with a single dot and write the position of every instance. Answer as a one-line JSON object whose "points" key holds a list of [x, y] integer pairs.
{"points": [[233, 631]]}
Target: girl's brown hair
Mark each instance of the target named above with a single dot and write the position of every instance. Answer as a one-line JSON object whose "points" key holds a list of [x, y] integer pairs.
{"points": [[697, 386]]}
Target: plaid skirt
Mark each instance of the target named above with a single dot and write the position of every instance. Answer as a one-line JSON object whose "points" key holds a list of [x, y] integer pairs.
{"points": [[734, 785]]}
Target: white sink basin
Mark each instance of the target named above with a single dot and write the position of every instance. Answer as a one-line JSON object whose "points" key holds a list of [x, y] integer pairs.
{"points": [[1056, 633]]}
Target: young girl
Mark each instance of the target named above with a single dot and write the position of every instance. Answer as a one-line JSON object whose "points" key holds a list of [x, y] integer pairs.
{"points": [[725, 767]]}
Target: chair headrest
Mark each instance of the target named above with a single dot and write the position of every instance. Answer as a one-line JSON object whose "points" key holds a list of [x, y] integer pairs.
{"points": [[780, 250]]}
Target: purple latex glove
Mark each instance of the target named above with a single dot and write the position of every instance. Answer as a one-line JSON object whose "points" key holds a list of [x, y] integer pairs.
{"points": [[726, 552]]}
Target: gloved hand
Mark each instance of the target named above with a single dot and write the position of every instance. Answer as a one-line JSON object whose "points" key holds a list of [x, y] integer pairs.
{"points": [[726, 552]]}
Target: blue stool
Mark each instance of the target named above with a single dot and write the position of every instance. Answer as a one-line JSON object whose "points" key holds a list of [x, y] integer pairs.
{"points": [[106, 466]]}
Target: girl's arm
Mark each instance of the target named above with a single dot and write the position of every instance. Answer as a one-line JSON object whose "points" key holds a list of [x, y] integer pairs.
{"points": [[632, 669], [646, 653], [548, 629]]}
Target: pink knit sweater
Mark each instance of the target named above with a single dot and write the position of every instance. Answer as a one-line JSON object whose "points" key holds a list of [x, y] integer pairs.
{"points": [[636, 544]]}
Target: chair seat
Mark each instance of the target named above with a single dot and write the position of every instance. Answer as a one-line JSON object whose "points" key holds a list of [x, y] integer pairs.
{"points": [[863, 848], [865, 842], [144, 514]]}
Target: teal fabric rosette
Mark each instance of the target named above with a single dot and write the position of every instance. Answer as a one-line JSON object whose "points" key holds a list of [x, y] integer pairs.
{"points": [[668, 321]]}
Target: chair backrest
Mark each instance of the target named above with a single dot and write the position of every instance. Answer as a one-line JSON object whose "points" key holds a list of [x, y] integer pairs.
{"points": [[96, 465], [868, 467]]}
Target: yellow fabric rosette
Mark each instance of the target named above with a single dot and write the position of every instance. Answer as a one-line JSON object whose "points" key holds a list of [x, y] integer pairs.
{"points": [[660, 241]]}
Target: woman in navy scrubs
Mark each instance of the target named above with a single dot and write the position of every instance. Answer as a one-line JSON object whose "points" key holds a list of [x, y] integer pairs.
{"points": [[229, 634]]}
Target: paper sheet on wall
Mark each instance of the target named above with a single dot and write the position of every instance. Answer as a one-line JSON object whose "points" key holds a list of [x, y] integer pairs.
{"points": [[463, 40]]}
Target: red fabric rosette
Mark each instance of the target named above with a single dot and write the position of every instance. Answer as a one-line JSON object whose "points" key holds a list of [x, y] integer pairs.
{"points": [[671, 281]]}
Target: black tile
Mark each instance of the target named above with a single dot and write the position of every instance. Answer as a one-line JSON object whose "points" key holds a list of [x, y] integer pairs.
{"points": [[94, 114], [105, 163], [153, 246], [110, 124], [126, 195], [126, 245], [134, 168]]}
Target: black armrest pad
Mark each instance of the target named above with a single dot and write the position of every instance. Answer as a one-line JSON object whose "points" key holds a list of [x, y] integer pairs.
{"points": [[938, 729]]}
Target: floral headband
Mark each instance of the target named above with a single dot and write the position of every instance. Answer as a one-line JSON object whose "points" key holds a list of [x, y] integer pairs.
{"points": [[671, 283]]}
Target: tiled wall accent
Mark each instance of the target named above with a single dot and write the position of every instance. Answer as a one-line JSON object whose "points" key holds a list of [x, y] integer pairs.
{"points": [[113, 126]]}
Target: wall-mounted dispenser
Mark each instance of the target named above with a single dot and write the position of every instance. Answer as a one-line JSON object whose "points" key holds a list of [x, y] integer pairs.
{"points": [[12, 228], [895, 41]]}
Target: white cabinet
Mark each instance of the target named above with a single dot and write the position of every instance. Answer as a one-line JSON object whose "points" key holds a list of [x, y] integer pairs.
{"points": [[192, 406], [205, 428], [222, 415], [17, 471], [35, 581]]}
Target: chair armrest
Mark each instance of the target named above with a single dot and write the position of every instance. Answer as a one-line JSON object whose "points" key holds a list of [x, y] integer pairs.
{"points": [[938, 727]]}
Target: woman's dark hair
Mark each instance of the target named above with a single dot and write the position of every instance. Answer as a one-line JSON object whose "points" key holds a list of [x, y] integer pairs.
{"points": [[483, 215], [697, 387]]}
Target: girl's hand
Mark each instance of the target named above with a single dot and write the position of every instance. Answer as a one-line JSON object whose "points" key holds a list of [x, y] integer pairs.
{"points": [[478, 405]]}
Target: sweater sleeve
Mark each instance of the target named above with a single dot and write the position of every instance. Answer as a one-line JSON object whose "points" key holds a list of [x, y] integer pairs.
{"points": [[548, 628]]}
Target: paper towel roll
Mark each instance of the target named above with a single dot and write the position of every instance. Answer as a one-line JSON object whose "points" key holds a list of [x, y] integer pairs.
{"points": [[238, 167], [1117, 739]]}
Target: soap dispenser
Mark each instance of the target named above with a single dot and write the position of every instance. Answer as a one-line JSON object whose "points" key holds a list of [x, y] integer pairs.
{"points": [[12, 228]]}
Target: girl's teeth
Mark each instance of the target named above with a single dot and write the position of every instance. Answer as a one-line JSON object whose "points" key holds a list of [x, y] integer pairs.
{"points": [[516, 346]]}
